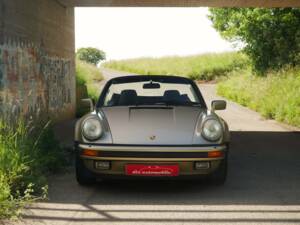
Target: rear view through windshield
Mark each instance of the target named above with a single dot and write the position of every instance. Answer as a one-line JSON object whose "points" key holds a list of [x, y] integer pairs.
{"points": [[150, 93]]}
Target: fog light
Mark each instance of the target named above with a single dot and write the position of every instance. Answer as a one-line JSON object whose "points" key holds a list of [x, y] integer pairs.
{"points": [[202, 165], [102, 165]]}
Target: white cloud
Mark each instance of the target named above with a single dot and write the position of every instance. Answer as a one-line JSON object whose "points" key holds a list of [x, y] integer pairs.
{"points": [[135, 32]]}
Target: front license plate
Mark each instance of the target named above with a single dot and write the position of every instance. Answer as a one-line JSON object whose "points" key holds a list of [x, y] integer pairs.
{"points": [[152, 170]]}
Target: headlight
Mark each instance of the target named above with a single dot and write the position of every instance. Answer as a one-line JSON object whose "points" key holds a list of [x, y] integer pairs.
{"points": [[92, 129], [212, 130]]}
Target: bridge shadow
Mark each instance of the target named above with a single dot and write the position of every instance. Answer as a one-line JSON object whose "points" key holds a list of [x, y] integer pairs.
{"points": [[264, 171]]}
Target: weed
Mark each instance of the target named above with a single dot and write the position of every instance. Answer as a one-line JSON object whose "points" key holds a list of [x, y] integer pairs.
{"points": [[27, 155]]}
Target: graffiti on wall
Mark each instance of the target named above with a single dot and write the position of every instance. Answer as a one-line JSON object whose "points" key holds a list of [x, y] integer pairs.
{"points": [[31, 82]]}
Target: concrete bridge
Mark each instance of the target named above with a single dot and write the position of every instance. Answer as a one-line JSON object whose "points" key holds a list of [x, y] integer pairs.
{"points": [[37, 68]]}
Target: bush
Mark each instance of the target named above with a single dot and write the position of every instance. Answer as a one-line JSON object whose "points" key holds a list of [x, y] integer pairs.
{"points": [[27, 155], [271, 36], [275, 96], [90, 55], [198, 67], [89, 75]]}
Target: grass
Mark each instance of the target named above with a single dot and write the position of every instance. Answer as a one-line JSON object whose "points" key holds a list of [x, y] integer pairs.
{"points": [[276, 96], [198, 67], [27, 155], [89, 75]]}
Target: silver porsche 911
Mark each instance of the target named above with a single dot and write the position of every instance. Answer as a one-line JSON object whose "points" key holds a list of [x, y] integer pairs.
{"points": [[152, 126]]}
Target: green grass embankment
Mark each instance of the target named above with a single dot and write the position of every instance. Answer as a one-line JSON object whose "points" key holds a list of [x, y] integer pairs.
{"points": [[275, 96], [198, 67], [88, 75]]}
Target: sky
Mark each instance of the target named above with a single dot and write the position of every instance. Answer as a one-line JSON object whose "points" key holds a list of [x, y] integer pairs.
{"points": [[147, 32]]}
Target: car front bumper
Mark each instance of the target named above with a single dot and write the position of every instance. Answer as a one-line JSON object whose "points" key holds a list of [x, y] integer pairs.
{"points": [[119, 156]]}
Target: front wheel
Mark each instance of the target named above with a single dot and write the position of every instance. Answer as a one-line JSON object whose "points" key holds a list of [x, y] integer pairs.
{"points": [[218, 177], [83, 175]]}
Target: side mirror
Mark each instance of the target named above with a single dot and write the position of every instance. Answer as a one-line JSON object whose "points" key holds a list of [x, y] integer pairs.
{"points": [[88, 103], [218, 105]]}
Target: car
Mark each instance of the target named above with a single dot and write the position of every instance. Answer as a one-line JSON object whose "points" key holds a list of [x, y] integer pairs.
{"points": [[151, 126]]}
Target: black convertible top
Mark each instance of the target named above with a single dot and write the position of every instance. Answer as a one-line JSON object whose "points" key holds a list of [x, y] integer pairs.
{"points": [[155, 78]]}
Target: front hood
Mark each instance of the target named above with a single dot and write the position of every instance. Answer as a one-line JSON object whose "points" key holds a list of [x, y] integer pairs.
{"points": [[152, 125]]}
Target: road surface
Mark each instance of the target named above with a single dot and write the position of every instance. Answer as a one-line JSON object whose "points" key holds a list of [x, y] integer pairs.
{"points": [[263, 185]]}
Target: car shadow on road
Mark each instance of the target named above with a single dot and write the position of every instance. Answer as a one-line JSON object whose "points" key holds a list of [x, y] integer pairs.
{"points": [[264, 171]]}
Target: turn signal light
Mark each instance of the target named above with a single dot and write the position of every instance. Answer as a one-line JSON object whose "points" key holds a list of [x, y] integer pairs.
{"points": [[215, 154], [89, 152]]}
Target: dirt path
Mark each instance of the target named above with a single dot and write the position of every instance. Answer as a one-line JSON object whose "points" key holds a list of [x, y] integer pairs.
{"points": [[263, 185], [109, 74]]}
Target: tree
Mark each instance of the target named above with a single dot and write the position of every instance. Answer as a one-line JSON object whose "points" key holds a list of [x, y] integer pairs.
{"points": [[91, 55], [271, 36]]}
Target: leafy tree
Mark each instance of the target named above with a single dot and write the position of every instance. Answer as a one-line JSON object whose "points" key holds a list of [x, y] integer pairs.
{"points": [[271, 36], [91, 55]]}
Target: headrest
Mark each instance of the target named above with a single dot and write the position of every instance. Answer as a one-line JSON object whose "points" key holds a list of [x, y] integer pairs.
{"points": [[128, 97], [171, 95]]}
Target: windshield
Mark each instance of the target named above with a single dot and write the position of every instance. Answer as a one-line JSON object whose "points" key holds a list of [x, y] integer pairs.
{"points": [[150, 93]]}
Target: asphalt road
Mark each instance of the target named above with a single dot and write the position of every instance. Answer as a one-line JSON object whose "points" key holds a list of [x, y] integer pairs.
{"points": [[263, 185]]}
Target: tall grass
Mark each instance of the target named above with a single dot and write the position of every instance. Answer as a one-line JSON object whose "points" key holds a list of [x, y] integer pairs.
{"points": [[276, 96], [27, 155], [89, 75], [198, 67]]}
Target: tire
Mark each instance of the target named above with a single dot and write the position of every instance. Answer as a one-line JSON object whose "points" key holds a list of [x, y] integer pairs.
{"points": [[83, 176], [219, 176]]}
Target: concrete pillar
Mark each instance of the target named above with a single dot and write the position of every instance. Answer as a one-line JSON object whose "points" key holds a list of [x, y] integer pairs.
{"points": [[37, 69]]}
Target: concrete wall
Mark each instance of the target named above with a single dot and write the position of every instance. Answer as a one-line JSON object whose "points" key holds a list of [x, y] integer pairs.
{"points": [[185, 3], [37, 72]]}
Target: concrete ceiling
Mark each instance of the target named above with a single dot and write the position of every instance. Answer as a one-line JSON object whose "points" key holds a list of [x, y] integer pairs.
{"points": [[187, 3]]}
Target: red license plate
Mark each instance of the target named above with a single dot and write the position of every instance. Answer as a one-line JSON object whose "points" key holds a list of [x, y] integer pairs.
{"points": [[152, 170]]}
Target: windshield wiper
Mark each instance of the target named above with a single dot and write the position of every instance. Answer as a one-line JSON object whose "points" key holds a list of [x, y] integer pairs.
{"points": [[169, 103], [191, 103], [173, 103]]}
